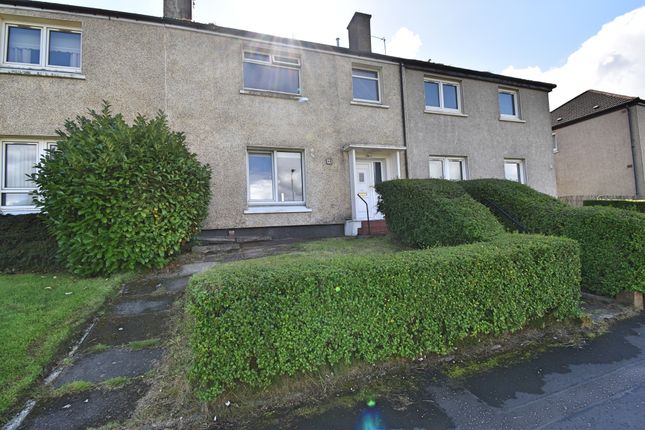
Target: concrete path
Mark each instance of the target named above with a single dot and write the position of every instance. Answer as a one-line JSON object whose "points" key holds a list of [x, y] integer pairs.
{"points": [[600, 385], [121, 347]]}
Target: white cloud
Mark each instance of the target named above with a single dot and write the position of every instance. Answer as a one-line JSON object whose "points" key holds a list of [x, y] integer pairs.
{"points": [[612, 60], [405, 43]]}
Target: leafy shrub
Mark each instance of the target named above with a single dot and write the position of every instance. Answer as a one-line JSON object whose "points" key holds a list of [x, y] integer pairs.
{"points": [[256, 320], [537, 212], [612, 248], [121, 196], [612, 240], [434, 212], [632, 205], [26, 245]]}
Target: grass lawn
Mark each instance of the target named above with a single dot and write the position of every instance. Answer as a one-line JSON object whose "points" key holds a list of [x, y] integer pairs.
{"points": [[39, 313], [353, 245]]}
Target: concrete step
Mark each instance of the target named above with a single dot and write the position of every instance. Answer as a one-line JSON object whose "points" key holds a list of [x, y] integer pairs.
{"points": [[222, 240], [216, 248], [249, 239], [215, 240]]}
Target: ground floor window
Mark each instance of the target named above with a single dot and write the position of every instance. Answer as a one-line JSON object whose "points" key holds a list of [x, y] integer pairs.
{"points": [[18, 160], [514, 170], [453, 168], [275, 177]]}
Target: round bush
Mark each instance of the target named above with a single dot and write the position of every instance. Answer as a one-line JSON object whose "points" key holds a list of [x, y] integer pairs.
{"points": [[434, 212], [118, 196]]}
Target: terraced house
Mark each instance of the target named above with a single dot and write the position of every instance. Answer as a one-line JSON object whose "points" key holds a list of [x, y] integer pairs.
{"points": [[297, 133]]}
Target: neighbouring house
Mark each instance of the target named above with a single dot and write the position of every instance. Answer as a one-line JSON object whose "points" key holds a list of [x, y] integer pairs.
{"points": [[297, 133], [598, 141]]}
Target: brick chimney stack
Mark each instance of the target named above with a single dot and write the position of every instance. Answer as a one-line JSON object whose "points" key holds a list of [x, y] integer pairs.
{"points": [[178, 9], [360, 34]]}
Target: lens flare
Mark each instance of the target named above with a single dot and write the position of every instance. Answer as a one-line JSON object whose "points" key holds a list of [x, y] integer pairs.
{"points": [[370, 419]]}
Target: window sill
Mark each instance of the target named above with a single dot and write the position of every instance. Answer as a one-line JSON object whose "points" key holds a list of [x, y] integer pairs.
{"points": [[276, 209], [271, 94], [443, 112], [508, 119], [18, 210], [48, 73], [376, 105]]}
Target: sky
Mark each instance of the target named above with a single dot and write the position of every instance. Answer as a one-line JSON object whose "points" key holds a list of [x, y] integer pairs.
{"points": [[576, 44]]}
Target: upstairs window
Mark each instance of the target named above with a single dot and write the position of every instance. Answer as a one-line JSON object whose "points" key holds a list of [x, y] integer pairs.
{"points": [[442, 95], [275, 73], [42, 47], [275, 177], [365, 86], [453, 168], [508, 104]]}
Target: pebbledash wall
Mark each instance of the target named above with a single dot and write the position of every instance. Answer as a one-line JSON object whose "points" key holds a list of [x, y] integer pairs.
{"points": [[194, 73]]}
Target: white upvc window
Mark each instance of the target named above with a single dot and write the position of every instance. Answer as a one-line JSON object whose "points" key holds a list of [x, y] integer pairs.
{"points": [[275, 177], [554, 142], [509, 105], [271, 73], [18, 160], [366, 86], [514, 170], [41, 47], [452, 168], [442, 96]]}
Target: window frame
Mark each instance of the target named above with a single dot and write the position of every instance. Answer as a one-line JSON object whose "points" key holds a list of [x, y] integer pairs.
{"points": [[42, 146], [522, 169], [554, 143], [45, 31], [378, 84], [516, 104], [274, 177], [272, 62], [441, 83], [444, 166]]}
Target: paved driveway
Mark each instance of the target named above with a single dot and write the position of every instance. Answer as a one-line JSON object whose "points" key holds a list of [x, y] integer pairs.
{"points": [[600, 386]]}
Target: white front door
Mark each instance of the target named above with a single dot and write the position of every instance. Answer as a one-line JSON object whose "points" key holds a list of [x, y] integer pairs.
{"points": [[368, 173]]}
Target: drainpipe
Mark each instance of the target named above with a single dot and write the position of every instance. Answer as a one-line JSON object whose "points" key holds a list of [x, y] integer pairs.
{"points": [[633, 139], [403, 115]]}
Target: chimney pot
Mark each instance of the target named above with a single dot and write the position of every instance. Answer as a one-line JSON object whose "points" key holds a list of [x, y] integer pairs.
{"points": [[178, 9], [360, 34]]}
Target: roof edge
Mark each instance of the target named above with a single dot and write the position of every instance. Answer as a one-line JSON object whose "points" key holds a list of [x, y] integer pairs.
{"points": [[627, 104], [411, 63]]}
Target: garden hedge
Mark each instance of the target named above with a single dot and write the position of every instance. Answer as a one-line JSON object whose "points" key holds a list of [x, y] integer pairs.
{"points": [[255, 320], [120, 197], [26, 245], [612, 240], [632, 205], [434, 212]]}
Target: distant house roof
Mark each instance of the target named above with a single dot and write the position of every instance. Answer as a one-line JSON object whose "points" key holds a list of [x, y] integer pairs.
{"points": [[587, 105], [425, 66]]}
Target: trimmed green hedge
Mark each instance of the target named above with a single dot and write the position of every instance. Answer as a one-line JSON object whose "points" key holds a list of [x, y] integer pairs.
{"points": [[631, 205], [434, 212], [256, 320], [612, 240], [26, 245]]}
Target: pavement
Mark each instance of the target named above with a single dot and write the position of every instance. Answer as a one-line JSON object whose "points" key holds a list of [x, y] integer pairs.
{"points": [[124, 344], [600, 385]]}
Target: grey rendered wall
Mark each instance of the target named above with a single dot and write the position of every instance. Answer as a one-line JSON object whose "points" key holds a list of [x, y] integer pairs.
{"points": [[481, 136], [594, 157], [196, 77]]}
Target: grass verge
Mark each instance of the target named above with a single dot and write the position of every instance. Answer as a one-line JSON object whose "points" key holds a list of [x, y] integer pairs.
{"points": [[39, 313]]}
